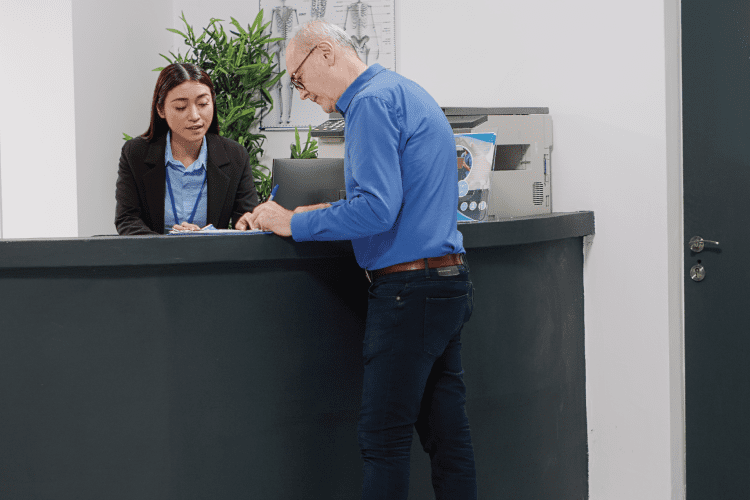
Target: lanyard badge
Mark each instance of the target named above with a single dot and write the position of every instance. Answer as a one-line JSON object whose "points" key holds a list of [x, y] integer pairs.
{"points": [[197, 200]]}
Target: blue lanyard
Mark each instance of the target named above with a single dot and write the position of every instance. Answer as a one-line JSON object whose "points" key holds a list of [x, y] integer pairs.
{"points": [[197, 201]]}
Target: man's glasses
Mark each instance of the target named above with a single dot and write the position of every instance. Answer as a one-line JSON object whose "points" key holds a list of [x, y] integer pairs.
{"points": [[297, 84]]}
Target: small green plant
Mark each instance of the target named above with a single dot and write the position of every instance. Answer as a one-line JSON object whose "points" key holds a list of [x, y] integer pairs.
{"points": [[311, 146], [242, 73]]}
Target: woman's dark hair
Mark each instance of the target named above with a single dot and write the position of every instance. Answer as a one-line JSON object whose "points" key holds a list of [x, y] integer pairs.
{"points": [[169, 78]]}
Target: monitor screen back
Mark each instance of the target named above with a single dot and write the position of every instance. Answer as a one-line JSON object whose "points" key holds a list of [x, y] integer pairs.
{"points": [[307, 182]]}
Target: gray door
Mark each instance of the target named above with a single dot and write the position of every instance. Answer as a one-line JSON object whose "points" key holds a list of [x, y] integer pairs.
{"points": [[716, 138]]}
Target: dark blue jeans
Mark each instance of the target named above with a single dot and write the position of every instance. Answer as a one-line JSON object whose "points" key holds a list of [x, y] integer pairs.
{"points": [[413, 378]]}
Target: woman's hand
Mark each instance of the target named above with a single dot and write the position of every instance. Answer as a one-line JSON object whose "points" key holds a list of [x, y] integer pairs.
{"points": [[186, 226]]}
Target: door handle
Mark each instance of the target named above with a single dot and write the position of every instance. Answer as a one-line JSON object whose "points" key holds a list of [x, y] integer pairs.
{"points": [[696, 243]]}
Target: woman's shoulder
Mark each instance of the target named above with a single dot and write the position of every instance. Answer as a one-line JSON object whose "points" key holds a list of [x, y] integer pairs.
{"points": [[231, 146], [139, 150], [225, 141], [135, 144]]}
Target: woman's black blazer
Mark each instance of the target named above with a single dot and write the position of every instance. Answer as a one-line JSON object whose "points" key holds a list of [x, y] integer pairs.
{"points": [[141, 182]]}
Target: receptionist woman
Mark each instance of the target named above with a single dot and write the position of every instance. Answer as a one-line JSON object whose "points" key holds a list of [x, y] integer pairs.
{"points": [[180, 173]]}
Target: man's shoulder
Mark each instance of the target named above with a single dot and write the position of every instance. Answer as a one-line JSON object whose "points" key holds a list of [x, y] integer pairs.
{"points": [[383, 80], [402, 96], [391, 86], [384, 87]]}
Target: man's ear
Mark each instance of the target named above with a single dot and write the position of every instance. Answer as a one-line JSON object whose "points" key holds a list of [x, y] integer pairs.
{"points": [[328, 51]]}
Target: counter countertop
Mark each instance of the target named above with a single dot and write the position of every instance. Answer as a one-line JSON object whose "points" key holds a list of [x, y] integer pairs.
{"points": [[116, 251]]}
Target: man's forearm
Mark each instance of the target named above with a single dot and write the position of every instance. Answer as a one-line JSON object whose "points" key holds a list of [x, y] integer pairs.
{"points": [[308, 208]]}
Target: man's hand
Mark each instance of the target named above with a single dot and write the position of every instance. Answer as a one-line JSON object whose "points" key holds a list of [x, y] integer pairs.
{"points": [[268, 216]]}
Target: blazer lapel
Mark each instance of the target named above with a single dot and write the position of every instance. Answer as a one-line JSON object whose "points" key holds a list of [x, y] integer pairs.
{"points": [[218, 181], [154, 181]]}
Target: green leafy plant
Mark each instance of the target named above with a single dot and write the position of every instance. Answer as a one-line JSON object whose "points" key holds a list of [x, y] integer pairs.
{"points": [[242, 73], [311, 146]]}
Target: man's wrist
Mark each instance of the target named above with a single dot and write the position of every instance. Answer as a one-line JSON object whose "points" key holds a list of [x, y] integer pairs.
{"points": [[300, 226]]}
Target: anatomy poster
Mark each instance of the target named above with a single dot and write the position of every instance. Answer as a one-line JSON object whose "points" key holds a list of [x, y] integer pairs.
{"points": [[371, 25]]}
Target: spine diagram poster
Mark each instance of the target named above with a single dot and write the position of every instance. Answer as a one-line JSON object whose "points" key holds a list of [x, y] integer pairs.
{"points": [[370, 23]]}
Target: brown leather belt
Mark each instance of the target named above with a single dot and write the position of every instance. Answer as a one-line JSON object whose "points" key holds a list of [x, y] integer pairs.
{"points": [[455, 259]]}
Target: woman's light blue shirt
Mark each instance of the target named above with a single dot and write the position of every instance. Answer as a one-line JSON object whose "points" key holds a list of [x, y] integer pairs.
{"points": [[186, 187]]}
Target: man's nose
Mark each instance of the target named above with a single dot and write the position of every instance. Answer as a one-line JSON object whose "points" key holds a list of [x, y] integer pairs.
{"points": [[303, 94], [193, 114]]}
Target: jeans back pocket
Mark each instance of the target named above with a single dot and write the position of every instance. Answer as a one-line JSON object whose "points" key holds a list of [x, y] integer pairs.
{"points": [[444, 318]]}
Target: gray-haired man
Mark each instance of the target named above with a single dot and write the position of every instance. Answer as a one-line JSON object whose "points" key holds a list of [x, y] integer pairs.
{"points": [[400, 213]]}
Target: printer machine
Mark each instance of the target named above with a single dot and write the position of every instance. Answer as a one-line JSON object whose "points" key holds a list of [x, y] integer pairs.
{"points": [[521, 173]]}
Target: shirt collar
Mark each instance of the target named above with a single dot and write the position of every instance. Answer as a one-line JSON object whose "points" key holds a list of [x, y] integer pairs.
{"points": [[171, 162], [346, 98]]}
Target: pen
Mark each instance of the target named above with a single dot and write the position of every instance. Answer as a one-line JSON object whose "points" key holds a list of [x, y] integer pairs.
{"points": [[273, 192]]}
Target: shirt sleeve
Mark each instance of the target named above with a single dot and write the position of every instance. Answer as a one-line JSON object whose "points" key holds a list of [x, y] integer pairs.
{"points": [[374, 187]]}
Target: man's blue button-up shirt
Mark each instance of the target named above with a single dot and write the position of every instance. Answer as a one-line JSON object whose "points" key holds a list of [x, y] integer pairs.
{"points": [[401, 176], [186, 187]]}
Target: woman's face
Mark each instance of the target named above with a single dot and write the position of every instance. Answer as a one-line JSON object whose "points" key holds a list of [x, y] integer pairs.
{"points": [[188, 110]]}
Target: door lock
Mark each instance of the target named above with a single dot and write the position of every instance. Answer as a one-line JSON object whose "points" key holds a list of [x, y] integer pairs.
{"points": [[697, 272], [696, 244]]}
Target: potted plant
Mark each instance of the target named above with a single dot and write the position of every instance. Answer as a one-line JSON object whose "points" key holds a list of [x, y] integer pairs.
{"points": [[310, 150]]}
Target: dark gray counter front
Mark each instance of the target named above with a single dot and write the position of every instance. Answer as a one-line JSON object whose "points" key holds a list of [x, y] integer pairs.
{"points": [[230, 366]]}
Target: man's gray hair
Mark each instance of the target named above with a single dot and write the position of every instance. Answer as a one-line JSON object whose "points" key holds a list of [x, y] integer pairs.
{"points": [[313, 32]]}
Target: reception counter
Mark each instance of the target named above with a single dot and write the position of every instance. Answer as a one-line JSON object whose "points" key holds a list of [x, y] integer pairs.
{"points": [[227, 367]]}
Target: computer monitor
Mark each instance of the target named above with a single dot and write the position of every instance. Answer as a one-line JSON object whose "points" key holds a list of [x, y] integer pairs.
{"points": [[307, 182]]}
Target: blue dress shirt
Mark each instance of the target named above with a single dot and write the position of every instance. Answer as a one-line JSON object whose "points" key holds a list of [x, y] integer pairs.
{"points": [[186, 187], [401, 177]]}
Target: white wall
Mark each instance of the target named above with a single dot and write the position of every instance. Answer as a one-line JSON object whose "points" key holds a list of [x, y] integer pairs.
{"points": [[116, 46], [600, 68], [37, 126]]}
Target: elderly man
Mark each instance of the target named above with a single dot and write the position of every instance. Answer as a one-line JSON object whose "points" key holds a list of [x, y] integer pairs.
{"points": [[400, 213]]}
